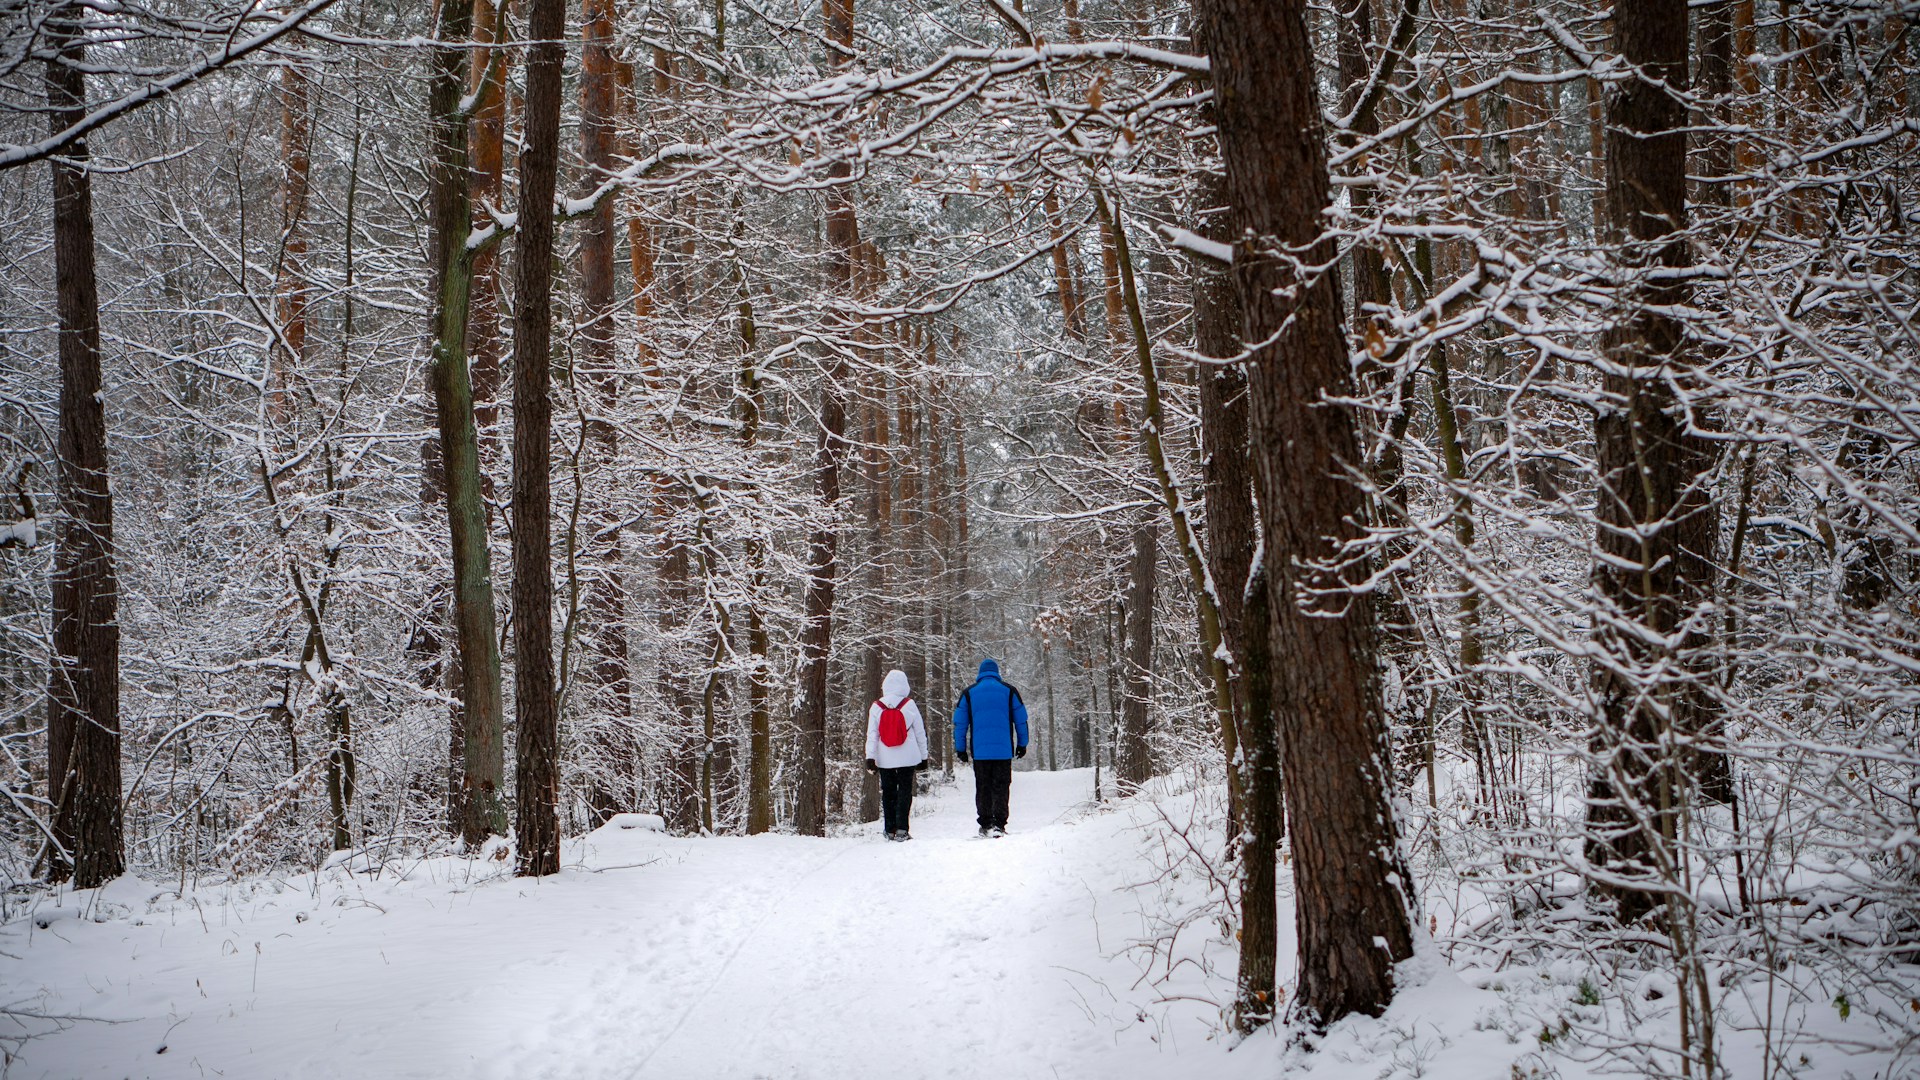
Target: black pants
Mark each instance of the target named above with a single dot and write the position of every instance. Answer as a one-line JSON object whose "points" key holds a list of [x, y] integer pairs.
{"points": [[992, 780], [896, 797]]}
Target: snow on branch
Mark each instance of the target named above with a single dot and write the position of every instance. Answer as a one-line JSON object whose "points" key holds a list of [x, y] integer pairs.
{"points": [[16, 154]]}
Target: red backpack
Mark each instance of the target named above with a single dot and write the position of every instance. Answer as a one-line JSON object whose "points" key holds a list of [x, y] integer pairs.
{"points": [[893, 722]]}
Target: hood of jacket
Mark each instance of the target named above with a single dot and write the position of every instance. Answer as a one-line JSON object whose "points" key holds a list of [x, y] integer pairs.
{"points": [[893, 689], [988, 668]]}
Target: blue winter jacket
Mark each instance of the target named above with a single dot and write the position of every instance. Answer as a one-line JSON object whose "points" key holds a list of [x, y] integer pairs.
{"points": [[990, 719]]}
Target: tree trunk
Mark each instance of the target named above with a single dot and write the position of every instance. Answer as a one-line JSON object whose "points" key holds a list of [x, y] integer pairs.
{"points": [[480, 805], [292, 291], [489, 68], [1232, 535], [1655, 524], [1226, 476], [536, 775], [1351, 885], [760, 815], [1135, 765], [83, 693], [843, 244], [1259, 765], [597, 377]]}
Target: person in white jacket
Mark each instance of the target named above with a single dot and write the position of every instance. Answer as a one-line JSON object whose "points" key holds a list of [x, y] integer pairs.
{"points": [[896, 749]]}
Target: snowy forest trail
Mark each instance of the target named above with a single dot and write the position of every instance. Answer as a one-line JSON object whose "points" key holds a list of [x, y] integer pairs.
{"points": [[856, 957], [650, 956]]}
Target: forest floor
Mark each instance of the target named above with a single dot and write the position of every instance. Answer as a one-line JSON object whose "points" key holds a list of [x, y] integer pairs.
{"points": [[1087, 943]]}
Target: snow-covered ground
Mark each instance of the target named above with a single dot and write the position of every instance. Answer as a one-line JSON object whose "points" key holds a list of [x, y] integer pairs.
{"points": [[728, 957]]}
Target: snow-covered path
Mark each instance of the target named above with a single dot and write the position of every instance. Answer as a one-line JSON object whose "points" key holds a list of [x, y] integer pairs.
{"points": [[948, 956], [779, 957], [651, 956]]}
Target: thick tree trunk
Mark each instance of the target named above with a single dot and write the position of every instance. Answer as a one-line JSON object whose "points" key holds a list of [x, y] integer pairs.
{"points": [[536, 775], [1352, 889], [83, 693], [479, 803], [1656, 525], [843, 244]]}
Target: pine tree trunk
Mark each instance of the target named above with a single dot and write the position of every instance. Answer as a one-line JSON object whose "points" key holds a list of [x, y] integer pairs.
{"points": [[843, 244], [1352, 890], [485, 342], [83, 693], [1655, 524], [1232, 532], [597, 376], [536, 775], [292, 291], [480, 801]]}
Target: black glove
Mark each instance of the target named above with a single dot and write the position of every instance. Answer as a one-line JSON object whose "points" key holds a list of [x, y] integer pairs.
{"points": [[1019, 751], [962, 755], [871, 766], [922, 767]]}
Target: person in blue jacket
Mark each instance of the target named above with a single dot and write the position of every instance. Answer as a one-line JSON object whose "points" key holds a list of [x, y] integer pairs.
{"points": [[990, 728]]}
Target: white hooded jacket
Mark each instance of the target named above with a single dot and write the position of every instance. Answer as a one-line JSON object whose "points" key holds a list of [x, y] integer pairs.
{"points": [[912, 752]]}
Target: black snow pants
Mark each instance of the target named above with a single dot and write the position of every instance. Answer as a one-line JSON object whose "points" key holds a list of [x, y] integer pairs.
{"points": [[896, 797], [992, 782]]}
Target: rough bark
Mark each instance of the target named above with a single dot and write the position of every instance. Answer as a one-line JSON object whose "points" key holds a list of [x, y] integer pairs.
{"points": [[1655, 525], [537, 767], [1255, 999], [843, 243], [83, 693], [1351, 884], [1232, 535], [759, 688]]}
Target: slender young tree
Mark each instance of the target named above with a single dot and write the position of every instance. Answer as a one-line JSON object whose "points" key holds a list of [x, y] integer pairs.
{"points": [[596, 376], [1134, 765], [479, 804], [536, 776], [83, 695], [1351, 884]]}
